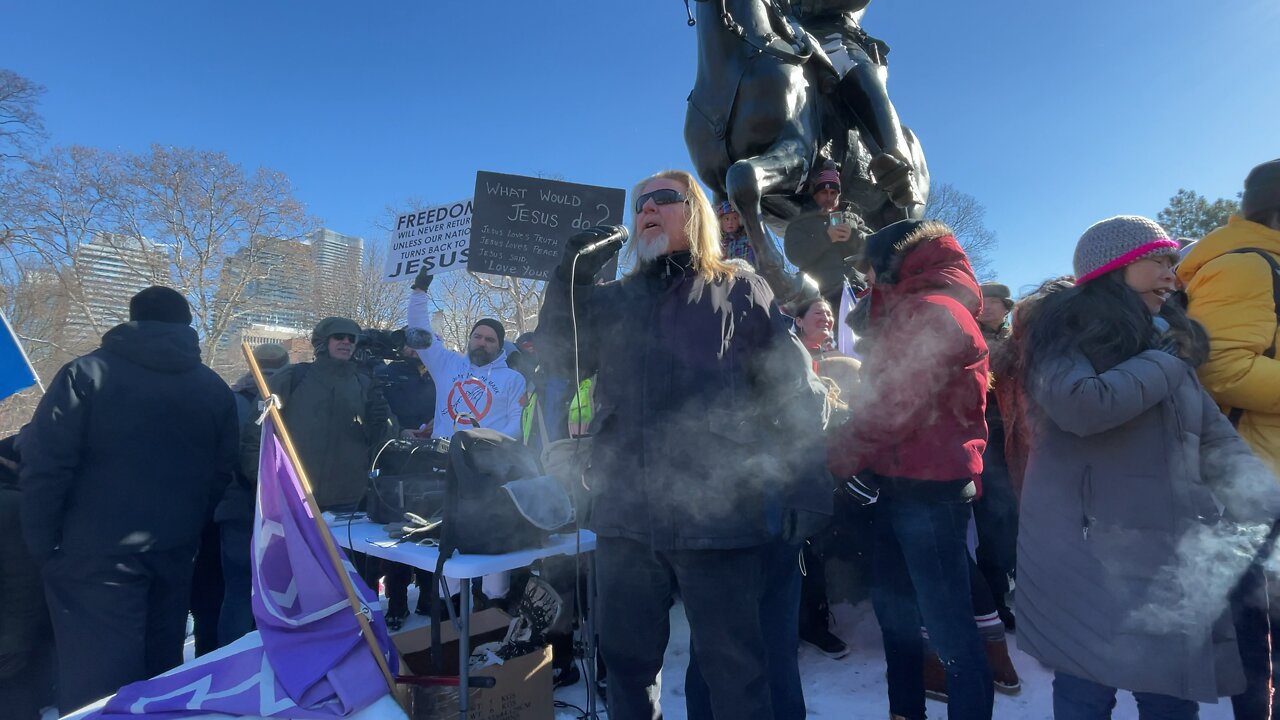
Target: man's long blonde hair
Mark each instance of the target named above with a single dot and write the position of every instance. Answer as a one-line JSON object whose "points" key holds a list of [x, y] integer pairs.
{"points": [[702, 228]]}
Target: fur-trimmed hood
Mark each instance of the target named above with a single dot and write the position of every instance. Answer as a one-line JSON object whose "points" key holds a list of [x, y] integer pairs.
{"points": [[927, 260]]}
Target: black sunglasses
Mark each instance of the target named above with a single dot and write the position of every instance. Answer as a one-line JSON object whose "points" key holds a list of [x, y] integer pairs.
{"points": [[665, 196], [343, 336]]}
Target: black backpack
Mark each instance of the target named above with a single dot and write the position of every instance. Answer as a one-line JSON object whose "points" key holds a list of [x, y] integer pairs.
{"points": [[1237, 413], [479, 517]]}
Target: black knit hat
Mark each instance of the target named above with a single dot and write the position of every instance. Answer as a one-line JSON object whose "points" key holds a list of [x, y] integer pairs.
{"points": [[160, 304], [1261, 190], [883, 244], [497, 328]]}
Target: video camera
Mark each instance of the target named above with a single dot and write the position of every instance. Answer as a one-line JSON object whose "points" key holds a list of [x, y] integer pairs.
{"points": [[377, 344]]}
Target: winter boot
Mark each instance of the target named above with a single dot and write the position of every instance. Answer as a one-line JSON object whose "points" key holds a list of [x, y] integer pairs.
{"points": [[825, 641], [935, 677], [1002, 671]]}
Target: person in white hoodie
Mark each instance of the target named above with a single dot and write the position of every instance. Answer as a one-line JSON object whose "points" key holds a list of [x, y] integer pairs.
{"points": [[472, 390]]}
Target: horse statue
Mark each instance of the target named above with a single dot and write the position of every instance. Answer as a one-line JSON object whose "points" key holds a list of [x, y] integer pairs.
{"points": [[763, 115]]}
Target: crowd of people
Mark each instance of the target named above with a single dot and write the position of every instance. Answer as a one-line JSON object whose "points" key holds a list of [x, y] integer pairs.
{"points": [[1108, 445]]}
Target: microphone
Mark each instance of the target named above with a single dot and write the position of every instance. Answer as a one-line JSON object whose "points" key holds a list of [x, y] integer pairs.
{"points": [[617, 235]]}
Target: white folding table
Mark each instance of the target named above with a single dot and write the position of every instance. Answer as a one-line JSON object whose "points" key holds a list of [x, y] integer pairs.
{"points": [[362, 536]]}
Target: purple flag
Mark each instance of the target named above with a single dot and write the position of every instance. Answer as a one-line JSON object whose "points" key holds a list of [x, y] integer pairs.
{"points": [[308, 658]]}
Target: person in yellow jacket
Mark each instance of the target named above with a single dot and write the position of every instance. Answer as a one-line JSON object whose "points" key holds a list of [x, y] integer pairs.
{"points": [[1232, 284]]}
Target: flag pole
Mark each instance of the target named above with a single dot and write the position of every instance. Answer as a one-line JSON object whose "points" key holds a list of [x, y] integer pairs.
{"points": [[365, 629]]}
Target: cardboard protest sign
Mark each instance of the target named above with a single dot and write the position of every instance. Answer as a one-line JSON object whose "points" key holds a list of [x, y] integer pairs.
{"points": [[521, 223], [437, 238]]}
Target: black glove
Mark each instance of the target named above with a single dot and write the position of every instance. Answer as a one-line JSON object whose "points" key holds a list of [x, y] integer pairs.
{"points": [[423, 280], [800, 525], [588, 266], [858, 490]]}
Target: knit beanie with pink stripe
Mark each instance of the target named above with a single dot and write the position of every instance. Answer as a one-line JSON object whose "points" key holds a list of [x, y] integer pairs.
{"points": [[1119, 241]]}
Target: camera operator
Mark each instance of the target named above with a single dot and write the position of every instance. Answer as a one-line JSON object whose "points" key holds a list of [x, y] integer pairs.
{"points": [[409, 388], [336, 414]]}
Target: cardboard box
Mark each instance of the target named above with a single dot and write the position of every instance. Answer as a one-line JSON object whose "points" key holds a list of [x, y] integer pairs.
{"points": [[522, 689]]}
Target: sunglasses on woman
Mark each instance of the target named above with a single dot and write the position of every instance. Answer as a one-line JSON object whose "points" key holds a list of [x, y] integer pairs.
{"points": [[343, 336], [665, 196]]}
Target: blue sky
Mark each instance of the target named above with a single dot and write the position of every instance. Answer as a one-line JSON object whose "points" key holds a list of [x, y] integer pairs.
{"points": [[1054, 115]]}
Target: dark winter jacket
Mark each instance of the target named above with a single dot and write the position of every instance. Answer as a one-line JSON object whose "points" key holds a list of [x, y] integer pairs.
{"points": [[25, 620], [707, 406], [338, 419], [410, 391], [130, 447], [810, 248], [1124, 565], [919, 415], [238, 502]]}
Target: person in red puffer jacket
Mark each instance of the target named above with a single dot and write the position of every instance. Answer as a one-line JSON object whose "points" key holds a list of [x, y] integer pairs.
{"points": [[916, 438]]}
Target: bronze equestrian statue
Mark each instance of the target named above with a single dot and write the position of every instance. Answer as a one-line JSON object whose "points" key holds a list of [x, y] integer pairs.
{"points": [[784, 87]]}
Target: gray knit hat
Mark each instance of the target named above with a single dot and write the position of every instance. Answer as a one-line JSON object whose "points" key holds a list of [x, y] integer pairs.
{"points": [[1115, 242]]}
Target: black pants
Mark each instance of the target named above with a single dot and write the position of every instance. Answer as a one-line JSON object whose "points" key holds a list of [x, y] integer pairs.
{"points": [[24, 692], [207, 590], [117, 619], [815, 609], [1255, 634], [995, 515], [721, 590]]}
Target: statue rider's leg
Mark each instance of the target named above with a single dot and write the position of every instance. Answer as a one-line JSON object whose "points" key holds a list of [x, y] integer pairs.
{"points": [[863, 88]]}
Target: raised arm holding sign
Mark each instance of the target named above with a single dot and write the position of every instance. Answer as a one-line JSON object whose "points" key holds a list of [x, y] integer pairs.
{"points": [[472, 390]]}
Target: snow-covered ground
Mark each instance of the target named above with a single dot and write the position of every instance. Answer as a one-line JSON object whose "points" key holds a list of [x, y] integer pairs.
{"points": [[853, 688]]}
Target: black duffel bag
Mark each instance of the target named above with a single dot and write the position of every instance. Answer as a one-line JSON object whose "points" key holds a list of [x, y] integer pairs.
{"points": [[409, 477]]}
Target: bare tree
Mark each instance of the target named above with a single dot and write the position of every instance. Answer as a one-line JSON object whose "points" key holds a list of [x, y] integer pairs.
{"points": [[967, 217], [207, 210], [371, 301], [60, 203], [459, 302], [105, 224], [513, 301], [21, 127]]}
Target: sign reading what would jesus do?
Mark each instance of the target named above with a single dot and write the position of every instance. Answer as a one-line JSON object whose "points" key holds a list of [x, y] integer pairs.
{"points": [[520, 224]]}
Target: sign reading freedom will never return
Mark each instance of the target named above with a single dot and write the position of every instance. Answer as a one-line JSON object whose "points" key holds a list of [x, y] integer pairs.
{"points": [[436, 239], [521, 223]]}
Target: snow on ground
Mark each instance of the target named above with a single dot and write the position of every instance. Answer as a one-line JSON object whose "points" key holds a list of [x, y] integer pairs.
{"points": [[851, 688], [854, 687]]}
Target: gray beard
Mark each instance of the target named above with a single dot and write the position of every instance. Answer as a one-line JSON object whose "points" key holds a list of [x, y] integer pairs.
{"points": [[653, 249]]}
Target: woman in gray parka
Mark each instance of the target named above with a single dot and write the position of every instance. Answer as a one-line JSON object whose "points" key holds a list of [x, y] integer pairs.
{"points": [[1141, 506]]}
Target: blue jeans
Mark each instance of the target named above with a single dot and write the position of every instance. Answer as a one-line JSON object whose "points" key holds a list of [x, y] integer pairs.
{"points": [[1079, 699], [922, 578], [721, 589], [780, 625], [236, 617]]}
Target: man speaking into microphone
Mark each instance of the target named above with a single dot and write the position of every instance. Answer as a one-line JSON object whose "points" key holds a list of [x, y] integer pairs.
{"points": [[703, 462]]}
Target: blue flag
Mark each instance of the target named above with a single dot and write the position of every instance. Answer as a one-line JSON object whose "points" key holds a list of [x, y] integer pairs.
{"points": [[16, 372]]}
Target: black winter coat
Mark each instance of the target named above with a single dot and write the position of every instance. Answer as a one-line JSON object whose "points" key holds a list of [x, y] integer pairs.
{"points": [[130, 447], [410, 392], [708, 432]]}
